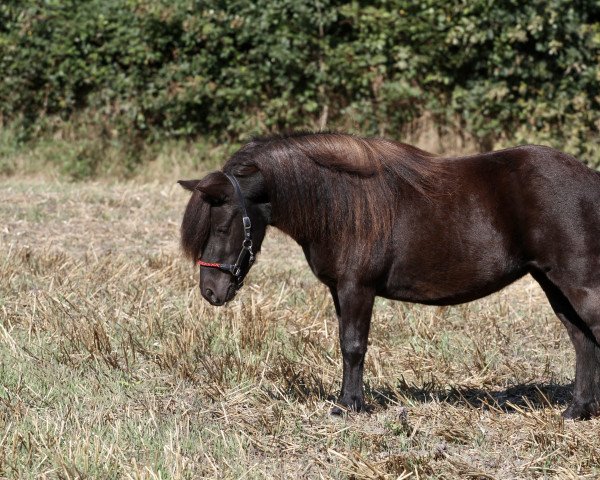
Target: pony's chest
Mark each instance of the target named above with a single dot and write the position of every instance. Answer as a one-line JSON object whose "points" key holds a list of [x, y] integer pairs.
{"points": [[321, 262]]}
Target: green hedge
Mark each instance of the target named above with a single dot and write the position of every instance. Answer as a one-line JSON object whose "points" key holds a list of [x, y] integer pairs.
{"points": [[502, 70]]}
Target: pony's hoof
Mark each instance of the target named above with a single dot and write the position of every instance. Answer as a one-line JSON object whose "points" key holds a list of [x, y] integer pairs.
{"points": [[581, 411], [355, 405], [337, 411]]}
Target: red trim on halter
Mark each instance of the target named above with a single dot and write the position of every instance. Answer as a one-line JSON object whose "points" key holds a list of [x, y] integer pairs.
{"points": [[207, 264]]}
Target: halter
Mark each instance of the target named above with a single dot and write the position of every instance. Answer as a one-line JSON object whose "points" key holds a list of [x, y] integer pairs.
{"points": [[235, 270]]}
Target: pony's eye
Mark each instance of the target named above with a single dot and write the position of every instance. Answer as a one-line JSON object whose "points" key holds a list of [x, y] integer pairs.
{"points": [[222, 230]]}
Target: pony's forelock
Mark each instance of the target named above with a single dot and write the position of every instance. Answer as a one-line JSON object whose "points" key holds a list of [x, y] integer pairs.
{"points": [[195, 226]]}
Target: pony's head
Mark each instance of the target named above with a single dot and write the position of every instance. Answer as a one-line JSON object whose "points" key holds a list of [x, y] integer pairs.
{"points": [[215, 234]]}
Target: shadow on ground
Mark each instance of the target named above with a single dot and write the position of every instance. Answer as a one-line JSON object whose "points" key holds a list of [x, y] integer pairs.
{"points": [[516, 398], [526, 396]]}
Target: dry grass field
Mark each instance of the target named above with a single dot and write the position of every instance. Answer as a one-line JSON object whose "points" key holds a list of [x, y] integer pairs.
{"points": [[113, 366]]}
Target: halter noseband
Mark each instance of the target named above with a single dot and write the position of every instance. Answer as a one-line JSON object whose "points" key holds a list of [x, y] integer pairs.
{"points": [[235, 270]]}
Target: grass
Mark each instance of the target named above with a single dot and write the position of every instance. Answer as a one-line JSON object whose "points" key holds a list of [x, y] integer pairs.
{"points": [[78, 152], [112, 365]]}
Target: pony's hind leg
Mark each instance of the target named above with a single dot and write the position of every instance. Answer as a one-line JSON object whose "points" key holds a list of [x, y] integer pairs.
{"points": [[579, 311]]}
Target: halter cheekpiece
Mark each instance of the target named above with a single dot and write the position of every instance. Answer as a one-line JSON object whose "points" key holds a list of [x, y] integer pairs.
{"points": [[235, 270]]}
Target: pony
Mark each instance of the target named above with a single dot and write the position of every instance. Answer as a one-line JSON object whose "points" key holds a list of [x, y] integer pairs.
{"points": [[375, 217]]}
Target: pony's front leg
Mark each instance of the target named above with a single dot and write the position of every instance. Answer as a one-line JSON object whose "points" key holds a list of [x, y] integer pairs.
{"points": [[354, 306]]}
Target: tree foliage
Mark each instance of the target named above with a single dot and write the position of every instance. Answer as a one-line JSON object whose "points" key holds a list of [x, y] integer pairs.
{"points": [[512, 70]]}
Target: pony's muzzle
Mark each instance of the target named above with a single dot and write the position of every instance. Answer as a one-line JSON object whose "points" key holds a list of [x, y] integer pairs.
{"points": [[218, 299], [213, 298]]}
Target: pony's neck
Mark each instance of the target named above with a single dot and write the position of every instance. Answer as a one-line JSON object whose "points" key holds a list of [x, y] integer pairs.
{"points": [[305, 225]]}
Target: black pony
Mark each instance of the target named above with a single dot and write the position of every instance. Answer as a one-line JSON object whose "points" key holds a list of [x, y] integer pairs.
{"points": [[376, 217]]}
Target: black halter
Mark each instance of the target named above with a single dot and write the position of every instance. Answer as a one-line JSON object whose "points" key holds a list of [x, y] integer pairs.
{"points": [[235, 270]]}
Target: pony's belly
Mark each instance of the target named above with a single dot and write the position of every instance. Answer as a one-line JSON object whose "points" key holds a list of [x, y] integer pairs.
{"points": [[442, 290]]}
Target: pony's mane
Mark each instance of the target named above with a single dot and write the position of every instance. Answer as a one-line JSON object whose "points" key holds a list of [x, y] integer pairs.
{"points": [[331, 185], [351, 154]]}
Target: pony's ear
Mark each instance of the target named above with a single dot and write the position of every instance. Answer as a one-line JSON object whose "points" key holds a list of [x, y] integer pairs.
{"points": [[189, 184], [215, 187]]}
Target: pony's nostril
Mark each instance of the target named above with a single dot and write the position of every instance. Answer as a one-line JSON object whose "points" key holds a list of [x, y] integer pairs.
{"points": [[211, 295]]}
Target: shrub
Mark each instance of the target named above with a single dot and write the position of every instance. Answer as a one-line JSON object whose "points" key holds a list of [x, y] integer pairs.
{"points": [[505, 72]]}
